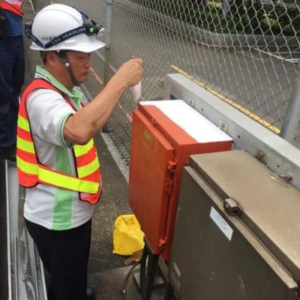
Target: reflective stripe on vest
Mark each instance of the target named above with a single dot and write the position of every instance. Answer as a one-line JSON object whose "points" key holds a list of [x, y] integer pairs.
{"points": [[14, 6], [31, 172]]}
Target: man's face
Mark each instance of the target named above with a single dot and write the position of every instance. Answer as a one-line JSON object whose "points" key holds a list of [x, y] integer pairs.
{"points": [[80, 63]]}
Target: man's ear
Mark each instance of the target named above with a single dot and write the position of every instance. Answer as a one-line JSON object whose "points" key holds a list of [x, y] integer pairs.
{"points": [[52, 59]]}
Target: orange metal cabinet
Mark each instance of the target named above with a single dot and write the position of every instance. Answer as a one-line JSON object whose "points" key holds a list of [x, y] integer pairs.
{"points": [[164, 135]]}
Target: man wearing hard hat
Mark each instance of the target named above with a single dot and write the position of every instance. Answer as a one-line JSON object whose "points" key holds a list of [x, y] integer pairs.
{"points": [[56, 157]]}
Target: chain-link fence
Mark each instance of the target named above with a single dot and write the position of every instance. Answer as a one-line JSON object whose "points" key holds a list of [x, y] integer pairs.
{"points": [[243, 51]]}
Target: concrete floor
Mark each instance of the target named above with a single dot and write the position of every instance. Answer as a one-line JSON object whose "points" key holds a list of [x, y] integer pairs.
{"points": [[107, 271], [109, 284]]}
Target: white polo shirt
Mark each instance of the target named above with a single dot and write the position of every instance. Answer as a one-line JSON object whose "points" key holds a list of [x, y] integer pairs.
{"points": [[51, 207]]}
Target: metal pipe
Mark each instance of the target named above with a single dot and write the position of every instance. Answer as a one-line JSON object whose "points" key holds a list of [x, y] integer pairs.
{"points": [[108, 30], [8, 226], [3, 234], [16, 265], [108, 27], [292, 115]]}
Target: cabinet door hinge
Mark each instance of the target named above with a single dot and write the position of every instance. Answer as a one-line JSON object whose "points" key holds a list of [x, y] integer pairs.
{"points": [[172, 166], [168, 186]]}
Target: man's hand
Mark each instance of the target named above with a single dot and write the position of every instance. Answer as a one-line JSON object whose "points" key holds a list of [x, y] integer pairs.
{"points": [[130, 73]]}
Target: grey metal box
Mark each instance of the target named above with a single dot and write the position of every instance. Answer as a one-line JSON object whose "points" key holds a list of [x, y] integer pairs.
{"points": [[237, 231]]}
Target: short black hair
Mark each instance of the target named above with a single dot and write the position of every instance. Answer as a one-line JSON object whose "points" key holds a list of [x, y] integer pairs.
{"points": [[43, 56]]}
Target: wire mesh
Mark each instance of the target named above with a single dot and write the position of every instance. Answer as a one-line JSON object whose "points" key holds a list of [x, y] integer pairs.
{"points": [[243, 51]]}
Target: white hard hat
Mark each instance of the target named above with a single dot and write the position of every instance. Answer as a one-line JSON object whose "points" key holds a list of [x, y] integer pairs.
{"points": [[61, 27]]}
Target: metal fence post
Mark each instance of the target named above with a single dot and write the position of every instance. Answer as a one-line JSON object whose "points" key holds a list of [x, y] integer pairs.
{"points": [[108, 29], [292, 114]]}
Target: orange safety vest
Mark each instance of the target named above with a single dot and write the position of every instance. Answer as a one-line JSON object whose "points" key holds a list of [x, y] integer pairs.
{"points": [[14, 6], [31, 172]]}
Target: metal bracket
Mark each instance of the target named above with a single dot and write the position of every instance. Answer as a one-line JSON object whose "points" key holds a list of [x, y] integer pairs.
{"points": [[287, 177], [172, 166], [168, 186], [191, 102], [162, 243], [154, 122], [223, 126], [261, 155], [231, 207]]}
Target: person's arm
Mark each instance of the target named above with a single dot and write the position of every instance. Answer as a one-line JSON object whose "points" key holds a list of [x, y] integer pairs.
{"points": [[88, 121]]}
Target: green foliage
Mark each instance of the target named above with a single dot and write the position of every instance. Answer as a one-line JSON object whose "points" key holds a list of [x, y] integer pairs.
{"points": [[249, 16]]}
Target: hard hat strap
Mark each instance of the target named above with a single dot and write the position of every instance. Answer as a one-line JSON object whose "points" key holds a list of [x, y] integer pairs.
{"points": [[63, 57]]}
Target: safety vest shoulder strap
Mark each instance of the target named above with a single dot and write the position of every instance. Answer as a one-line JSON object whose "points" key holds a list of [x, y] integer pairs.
{"points": [[14, 6], [14, 2], [37, 84]]}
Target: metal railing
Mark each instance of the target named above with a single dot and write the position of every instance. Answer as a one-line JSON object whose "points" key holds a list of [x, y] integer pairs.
{"points": [[20, 266], [245, 52]]}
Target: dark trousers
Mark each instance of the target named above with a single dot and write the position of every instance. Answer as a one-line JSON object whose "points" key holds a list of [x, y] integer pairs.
{"points": [[12, 70], [65, 255]]}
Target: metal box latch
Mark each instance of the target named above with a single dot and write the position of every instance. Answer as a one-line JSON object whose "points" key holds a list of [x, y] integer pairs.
{"points": [[231, 207]]}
